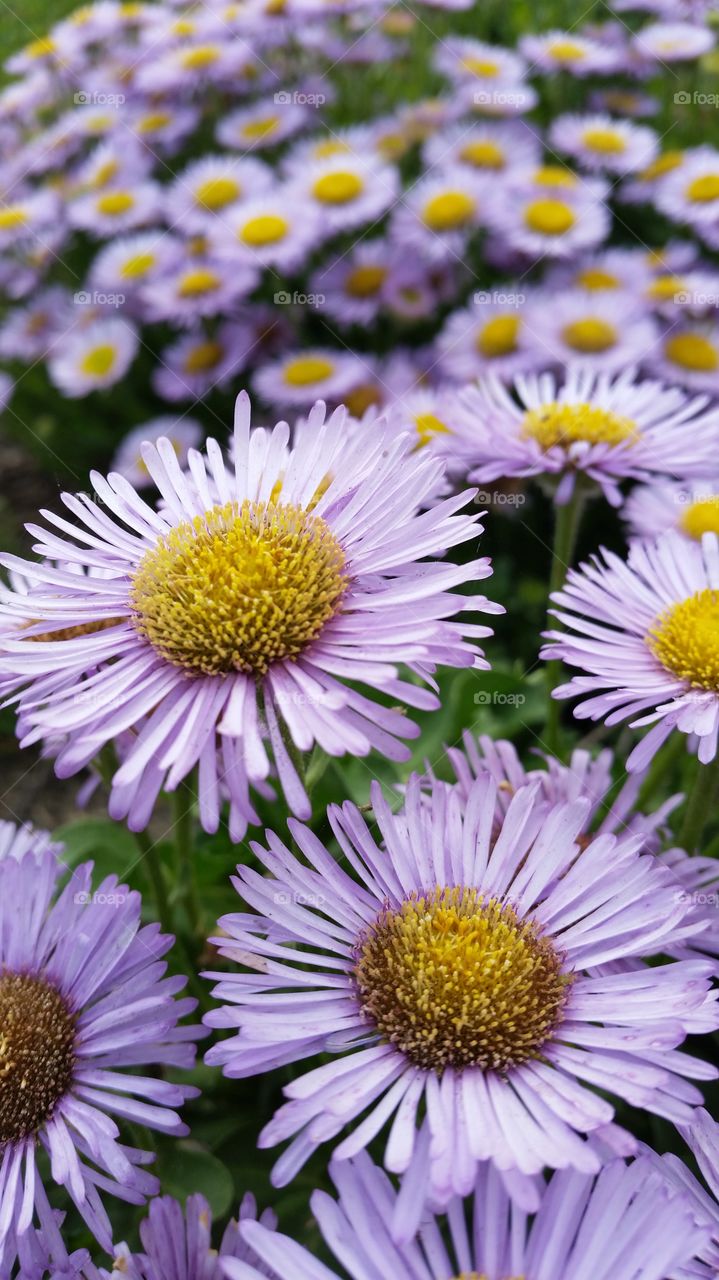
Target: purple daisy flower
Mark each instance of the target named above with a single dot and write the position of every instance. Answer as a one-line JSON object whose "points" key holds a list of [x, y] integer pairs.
{"points": [[611, 809], [82, 998], [198, 362], [632, 1222], [177, 1243], [413, 965], [689, 508], [645, 633], [342, 556], [608, 428], [604, 143]]}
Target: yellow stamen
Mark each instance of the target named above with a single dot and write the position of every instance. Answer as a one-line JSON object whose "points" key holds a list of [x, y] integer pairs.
{"points": [[566, 51], [203, 55], [137, 266], [239, 588], [566, 424], [454, 978], [305, 370], [12, 216], [483, 155], [195, 283], [338, 188], [664, 163], [268, 228], [499, 336], [692, 351], [428, 426], [704, 189], [700, 517], [206, 355], [549, 217], [366, 281], [217, 192], [257, 129], [555, 175], [98, 362], [606, 141], [685, 639], [596, 278], [115, 203], [590, 335], [449, 211]]}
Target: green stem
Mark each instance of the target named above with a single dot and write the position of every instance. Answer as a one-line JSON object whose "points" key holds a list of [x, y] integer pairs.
{"points": [[155, 875], [566, 528], [183, 830], [700, 805]]}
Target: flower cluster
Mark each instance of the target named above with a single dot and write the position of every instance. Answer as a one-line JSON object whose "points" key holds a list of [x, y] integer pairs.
{"points": [[466, 983]]}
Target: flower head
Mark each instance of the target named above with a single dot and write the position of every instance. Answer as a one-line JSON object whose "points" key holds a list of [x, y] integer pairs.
{"points": [[453, 966], [246, 611], [645, 634], [82, 997]]}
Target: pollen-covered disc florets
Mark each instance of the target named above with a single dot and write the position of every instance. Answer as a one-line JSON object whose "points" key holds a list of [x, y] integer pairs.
{"points": [[37, 1037], [454, 978], [685, 639], [239, 587], [566, 424]]}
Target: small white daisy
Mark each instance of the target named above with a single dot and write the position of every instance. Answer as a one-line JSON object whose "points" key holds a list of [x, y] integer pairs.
{"points": [[588, 327], [208, 188], [298, 378], [600, 142], [94, 358]]}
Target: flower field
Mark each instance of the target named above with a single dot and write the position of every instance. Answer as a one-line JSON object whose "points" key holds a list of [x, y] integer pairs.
{"points": [[359, 641]]}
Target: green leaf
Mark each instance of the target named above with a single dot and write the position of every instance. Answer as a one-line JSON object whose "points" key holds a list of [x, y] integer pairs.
{"points": [[187, 1167]]}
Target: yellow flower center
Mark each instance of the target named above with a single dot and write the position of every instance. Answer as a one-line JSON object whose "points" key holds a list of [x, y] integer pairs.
{"points": [[268, 228], [665, 287], [40, 48], [194, 283], [480, 67], [429, 425], [456, 979], [361, 398], [692, 351], [702, 190], [590, 335], [12, 216], [554, 175], [203, 357], [115, 203], [239, 588], [685, 639], [203, 55], [99, 361], [483, 155], [701, 516], [365, 282], [566, 51], [106, 173], [217, 192], [151, 123], [37, 1059], [606, 141], [330, 147], [595, 278], [255, 129], [664, 163], [565, 424], [305, 370], [338, 188], [449, 210], [499, 336], [549, 217], [137, 266]]}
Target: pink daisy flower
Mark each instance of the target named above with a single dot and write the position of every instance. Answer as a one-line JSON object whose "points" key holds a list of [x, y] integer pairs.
{"points": [[645, 634], [215, 682], [474, 1054]]}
